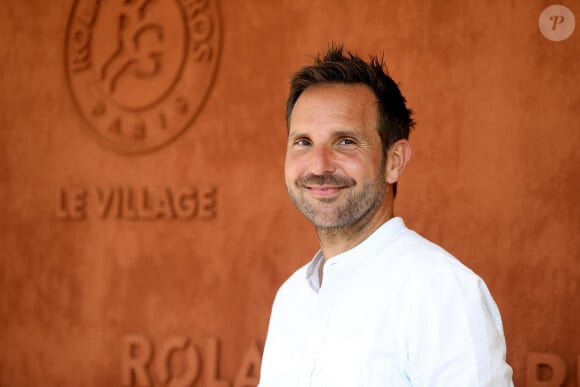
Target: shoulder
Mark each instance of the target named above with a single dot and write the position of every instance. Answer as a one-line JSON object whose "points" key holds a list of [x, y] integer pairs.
{"points": [[425, 269], [436, 277], [409, 250]]}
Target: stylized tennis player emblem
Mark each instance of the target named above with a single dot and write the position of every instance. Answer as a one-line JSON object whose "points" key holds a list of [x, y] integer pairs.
{"points": [[140, 70]]}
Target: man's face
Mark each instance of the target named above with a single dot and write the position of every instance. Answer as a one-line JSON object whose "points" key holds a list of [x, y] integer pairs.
{"points": [[335, 172]]}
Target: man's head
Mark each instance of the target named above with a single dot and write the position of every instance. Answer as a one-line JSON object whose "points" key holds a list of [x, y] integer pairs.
{"points": [[394, 121], [347, 131]]}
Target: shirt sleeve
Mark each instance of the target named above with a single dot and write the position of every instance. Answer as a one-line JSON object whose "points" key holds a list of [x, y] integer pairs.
{"points": [[453, 332]]}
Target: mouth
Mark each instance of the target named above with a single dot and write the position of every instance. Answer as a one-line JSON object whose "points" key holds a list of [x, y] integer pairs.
{"points": [[324, 186], [324, 191]]}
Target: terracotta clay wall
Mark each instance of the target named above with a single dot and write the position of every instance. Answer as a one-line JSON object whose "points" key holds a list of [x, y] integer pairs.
{"points": [[144, 222]]}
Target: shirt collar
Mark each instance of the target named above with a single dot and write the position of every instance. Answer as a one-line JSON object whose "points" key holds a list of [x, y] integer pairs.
{"points": [[312, 271], [382, 236]]}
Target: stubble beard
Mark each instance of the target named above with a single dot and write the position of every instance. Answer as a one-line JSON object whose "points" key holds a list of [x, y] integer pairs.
{"points": [[327, 215]]}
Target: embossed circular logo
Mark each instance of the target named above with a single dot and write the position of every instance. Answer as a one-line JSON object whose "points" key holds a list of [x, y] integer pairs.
{"points": [[140, 70], [557, 23]]}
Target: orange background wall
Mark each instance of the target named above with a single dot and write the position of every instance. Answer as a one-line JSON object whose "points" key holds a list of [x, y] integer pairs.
{"points": [[494, 178]]}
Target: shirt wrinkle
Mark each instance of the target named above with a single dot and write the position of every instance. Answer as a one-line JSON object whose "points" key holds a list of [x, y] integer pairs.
{"points": [[386, 316]]}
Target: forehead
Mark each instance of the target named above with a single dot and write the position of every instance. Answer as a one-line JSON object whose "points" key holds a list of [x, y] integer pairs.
{"points": [[336, 105]]}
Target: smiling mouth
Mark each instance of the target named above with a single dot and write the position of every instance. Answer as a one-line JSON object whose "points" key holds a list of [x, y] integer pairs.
{"points": [[324, 184], [324, 191]]}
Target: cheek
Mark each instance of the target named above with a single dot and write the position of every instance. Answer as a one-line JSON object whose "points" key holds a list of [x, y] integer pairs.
{"points": [[292, 166], [363, 170], [289, 173]]}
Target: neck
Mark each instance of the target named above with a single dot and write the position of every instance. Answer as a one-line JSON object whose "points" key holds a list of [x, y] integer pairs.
{"points": [[334, 241]]}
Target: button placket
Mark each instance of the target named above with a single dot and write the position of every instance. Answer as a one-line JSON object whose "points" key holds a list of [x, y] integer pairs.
{"points": [[319, 322]]}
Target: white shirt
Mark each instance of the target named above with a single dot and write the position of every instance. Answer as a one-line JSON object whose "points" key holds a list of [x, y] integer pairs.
{"points": [[394, 311]]}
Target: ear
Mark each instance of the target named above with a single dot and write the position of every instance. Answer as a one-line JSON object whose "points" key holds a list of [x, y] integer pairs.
{"points": [[398, 156]]}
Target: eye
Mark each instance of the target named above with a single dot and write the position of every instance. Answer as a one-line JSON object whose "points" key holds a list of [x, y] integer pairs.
{"points": [[347, 141], [302, 142]]}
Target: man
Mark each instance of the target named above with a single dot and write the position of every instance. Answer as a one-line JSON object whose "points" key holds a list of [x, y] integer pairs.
{"points": [[378, 305]]}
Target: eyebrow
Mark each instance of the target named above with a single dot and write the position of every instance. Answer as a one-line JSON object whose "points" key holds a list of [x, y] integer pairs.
{"points": [[296, 135], [348, 133], [337, 133]]}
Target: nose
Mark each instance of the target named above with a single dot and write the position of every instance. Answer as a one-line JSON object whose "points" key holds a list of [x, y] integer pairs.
{"points": [[321, 160]]}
